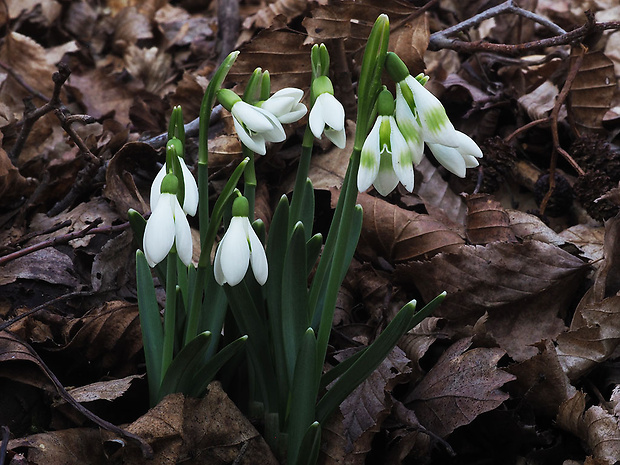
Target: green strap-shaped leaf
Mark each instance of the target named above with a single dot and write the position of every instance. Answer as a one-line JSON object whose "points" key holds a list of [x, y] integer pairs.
{"points": [[303, 395], [310, 446], [207, 372], [180, 373], [366, 363], [277, 242], [306, 215], [294, 297], [150, 323]]}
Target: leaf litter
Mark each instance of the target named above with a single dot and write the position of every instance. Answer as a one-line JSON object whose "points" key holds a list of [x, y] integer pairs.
{"points": [[525, 346]]}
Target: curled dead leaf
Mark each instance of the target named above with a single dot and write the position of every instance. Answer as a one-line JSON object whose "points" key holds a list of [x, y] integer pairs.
{"points": [[460, 386], [487, 221], [399, 235]]}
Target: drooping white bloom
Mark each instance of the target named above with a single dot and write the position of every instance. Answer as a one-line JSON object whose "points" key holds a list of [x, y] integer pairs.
{"points": [[385, 158], [167, 226], [255, 126], [286, 105], [409, 127], [436, 126], [190, 199], [327, 116], [239, 248], [457, 159]]}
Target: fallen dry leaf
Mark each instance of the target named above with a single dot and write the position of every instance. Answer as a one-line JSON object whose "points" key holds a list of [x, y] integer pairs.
{"points": [[460, 386], [595, 426], [399, 235], [592, 90], [499, 276], [487, 221]]}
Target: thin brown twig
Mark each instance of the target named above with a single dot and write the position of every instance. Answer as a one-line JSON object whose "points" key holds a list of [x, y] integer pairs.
{"points": [[32, 114], [90, 229], [441, 40], [572, 74], [525, 127]]}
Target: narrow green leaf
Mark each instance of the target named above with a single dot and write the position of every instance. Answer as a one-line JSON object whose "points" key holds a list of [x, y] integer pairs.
{"points": [[277, 244], [427, 310], [339, 369], [181, 371], [366, 363], [294, 297], [303, 395], [310, 446], [150, 323], [306, 214], [207, 372]]}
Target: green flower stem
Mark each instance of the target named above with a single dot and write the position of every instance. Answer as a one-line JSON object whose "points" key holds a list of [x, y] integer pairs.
{"points": [[203, 200], [170, 313], [302, 174], [339, 236], [193, 316], [249, 180]]}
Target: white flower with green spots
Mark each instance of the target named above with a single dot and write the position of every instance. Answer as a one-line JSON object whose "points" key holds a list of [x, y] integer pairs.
{"points": [[386, 156]]}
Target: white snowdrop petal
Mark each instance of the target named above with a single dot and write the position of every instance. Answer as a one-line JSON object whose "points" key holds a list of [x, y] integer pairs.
{"points": [[160, 230], [235, 257], [470, 161], [256, 142], [369, 159], [333, 111], [450, 158], [467, 146], [251, 117], [338, 138], [156, 187], [190, 201], [402, 162], [183, 235], [315, 120], [386, 180], [258, 258]]}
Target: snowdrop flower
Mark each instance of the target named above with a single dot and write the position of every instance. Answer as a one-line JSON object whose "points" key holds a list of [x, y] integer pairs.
{"points": [[386, 156], [239, 248], [422, 118], [457, 159], [190, 199], [327, 113], [167, 226], [286, 105], [255, 126]]}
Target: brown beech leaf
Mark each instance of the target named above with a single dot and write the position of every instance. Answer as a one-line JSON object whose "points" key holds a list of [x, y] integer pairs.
{"points": [[541, 381], [108, 335], [370, 403], [400, 235], [589, 239], [592, 90], [76, 445], [409, 41], [212, 428], [497, 277], [102, 390], [438, 198], [281, 52], [264, 17], [48, 265], [487, 221], [416, 342], [462, 385], [593, 337], [529, 227], [598, 428]]}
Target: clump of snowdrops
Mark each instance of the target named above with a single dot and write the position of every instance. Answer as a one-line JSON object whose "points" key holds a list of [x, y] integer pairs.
{"points": [[282, 319]]}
